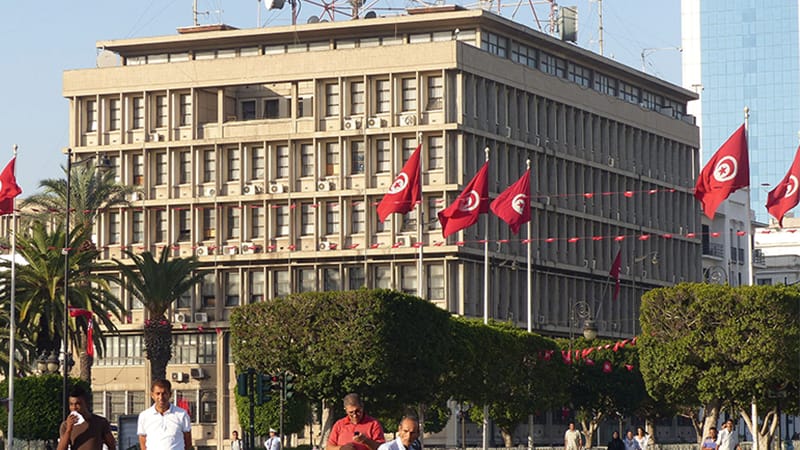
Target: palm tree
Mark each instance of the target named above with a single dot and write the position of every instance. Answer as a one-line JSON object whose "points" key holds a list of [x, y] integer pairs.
{"points": [[157, 284], [40, 289], [90, 188]]}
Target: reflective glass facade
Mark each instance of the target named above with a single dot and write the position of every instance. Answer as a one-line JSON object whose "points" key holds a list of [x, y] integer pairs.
{"points": [[749, 57]]}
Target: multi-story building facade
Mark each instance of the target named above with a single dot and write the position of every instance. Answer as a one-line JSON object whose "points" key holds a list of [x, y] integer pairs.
{"points": [[263, 152]]}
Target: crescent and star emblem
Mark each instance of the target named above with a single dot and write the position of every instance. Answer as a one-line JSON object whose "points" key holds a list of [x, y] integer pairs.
{"points": [[470, 202], [518, 203], [726, 169], [791, 186], [399, 183]]}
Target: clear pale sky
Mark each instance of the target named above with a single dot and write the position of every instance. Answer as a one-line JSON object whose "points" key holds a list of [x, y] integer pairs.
{"points": [[42, 39]]}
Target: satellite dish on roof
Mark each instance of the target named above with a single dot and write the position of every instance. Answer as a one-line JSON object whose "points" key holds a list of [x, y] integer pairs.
{"points": [[370, 15], [313, 19]]}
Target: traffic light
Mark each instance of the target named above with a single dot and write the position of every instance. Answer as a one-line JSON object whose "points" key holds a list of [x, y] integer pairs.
{"points": [[288, 385], [275, 383], [241, 384], [262, 389]]}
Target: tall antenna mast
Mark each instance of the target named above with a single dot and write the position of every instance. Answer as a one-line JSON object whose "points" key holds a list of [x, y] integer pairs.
{"points": [[194, 13], [600, 25]]}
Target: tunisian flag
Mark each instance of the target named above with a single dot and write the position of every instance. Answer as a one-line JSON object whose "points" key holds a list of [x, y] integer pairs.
{"points": [[8, 188], [513, 205], [614, 272], [472, 202], [405, 190], [786, 194], [77, 312], [726, 172]]}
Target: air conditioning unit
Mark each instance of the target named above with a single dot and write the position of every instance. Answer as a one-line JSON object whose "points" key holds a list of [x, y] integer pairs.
{"points": [[201, 317], [611, 162], [198, 373], [202, 250], [276, 188], [324, 245], [232, 250], [251, 189], [156, 137], [210, 192], [374, 122], [248, 248], [135, 196], [182, 317], [324, 185], [352, 124], [408, 120], [179, 377], [404, 241]]}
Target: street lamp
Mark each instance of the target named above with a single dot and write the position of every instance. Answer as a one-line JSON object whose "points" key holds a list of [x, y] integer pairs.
{"points": [[589, 330], [104, 164]]}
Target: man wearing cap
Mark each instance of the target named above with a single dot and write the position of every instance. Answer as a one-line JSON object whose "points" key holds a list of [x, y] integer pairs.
{"points": [[274, 442]]}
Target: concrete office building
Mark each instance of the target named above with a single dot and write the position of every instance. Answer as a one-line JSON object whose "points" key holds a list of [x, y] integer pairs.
{"points": [[264, 151]]}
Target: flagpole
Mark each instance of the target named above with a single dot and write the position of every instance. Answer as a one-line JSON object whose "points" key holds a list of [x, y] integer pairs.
{"points": [[530, 297], [12, 316], [419, 226], [486, 307], [749, 222]]}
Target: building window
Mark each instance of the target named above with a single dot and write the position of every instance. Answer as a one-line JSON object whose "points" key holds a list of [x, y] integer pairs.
{"points": [[435, 153], [383, 153], [138, 170], [383, 277], [161, 169], [185, 110], [185, 169], [356, 279], [408, 279], [281, 286], [435, 282], [434, 204], [553, 65], [257, 281], [435, 93], [208, 289], [231, 289], [332, 280], [185, 300], [91, 115], [115, 400], [306, 280], [209, 223], [331, 158], [256, 222], [113, 228], [234, 164], [605, 84], [357, 98], [579, 74], [234, 215], [332, 217], [307, 219], [195, 348], [409, 145], [358, 215], [184, 225], [629, 93], [282, 161], [188, 401], [161, 226], [382, 97], [257, 163], [272, 108], [114, 114], [331, 99], [282, 221], [356, 157], [137, 227], [494, 44], [306, 160], [209, 166], [122, 351], [523, 54], [305, 106], [136, 402], [409, 88], [248, 109], [161, 111], [208, 406]]}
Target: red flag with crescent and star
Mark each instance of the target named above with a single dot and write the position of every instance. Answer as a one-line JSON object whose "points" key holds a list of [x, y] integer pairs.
{"points": [[513, 204], [786, 194], [726, 172], [8, 187], [405, 190], [472, 202], [77, 312]]}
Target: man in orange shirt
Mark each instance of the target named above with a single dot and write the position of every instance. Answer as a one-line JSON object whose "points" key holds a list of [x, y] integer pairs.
{"points": [[355, 431]]}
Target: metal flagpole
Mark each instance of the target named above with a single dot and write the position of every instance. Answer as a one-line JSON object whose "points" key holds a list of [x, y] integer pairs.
{"points": [[753, 409], [419, 224], [12, 317], [530, 296], [486, 308]]}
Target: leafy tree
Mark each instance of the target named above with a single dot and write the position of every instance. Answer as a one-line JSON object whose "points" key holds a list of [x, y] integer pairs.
{"points": [[721, 347], [37, 406], [40, 290], [267, 415], [157, 284]]}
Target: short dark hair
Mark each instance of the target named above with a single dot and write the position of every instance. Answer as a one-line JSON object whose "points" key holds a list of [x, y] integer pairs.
{"points": [[163, 384], [79, 392]]}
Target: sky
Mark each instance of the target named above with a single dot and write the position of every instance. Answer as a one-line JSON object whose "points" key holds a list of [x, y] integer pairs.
{"points": [[42, 40]]}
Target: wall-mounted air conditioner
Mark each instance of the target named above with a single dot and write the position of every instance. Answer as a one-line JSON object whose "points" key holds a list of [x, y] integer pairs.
{"points": [[135, 196], [408, 120], [179, 377], [248, 248], [352, 124], [232, 249], [182, 317], [375, 122], [210, 192], [202, 250], [251, 189], [198, 373], [324, 185], [201, 317], [275, 188], [324, 245], [404, 241]]}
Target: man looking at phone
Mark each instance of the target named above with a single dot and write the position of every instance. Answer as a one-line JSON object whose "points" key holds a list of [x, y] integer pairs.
{"points": [[83, 430], [355, 431]]}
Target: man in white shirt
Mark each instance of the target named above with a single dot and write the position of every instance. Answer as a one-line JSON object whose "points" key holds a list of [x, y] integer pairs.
{"points": [[274, 442], [727, 439], [407, 435], [572, 438], [164, 426]]}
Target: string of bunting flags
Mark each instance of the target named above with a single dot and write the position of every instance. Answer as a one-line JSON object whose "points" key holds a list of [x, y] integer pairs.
{"points": [[584, 354]]}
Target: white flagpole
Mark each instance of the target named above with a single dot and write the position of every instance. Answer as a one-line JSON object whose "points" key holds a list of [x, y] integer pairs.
{"points": [[486, 308], [530, 295], [12, 316], [419, 225], [753, 409]]}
